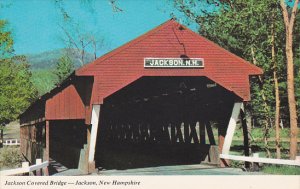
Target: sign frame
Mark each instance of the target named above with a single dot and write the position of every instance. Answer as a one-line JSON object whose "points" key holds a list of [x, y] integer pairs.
{"points": [[174, 66]]}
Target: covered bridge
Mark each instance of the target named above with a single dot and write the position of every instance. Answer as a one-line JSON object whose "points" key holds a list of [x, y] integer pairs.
{"points": [[149, 102]]}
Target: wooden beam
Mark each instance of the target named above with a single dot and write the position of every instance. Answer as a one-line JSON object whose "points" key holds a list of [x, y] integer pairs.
{"points": [[47, 155], [210, 134], [33, 122], [173, 130], [94, 131], [193, 134], [202, 132], [231, 127], [246, 137]]}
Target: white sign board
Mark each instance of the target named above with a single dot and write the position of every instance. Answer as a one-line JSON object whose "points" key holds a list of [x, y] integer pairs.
{"points": [[173, 63]]}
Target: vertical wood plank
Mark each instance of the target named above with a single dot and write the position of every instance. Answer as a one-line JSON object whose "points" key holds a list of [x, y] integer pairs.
{"points": [[179, 134], [202, 132], [193, 134], [246, 138], [186, 132], [210, 133], [166, 133], [173, 139], [47, 155]]}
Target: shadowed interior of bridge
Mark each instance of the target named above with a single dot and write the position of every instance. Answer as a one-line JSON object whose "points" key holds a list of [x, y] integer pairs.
{"points": [[158, 121]]}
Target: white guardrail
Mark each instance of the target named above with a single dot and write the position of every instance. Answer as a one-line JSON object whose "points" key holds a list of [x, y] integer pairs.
{"points": [[257, 159], [39, 167], [11, 142]]}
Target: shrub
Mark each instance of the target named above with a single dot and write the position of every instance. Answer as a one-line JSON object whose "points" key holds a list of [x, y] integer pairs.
{"points": [[10, 157]]}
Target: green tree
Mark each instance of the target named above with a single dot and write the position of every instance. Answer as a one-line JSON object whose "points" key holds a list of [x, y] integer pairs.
{"points": [[43, 80], [6, 41], [254, 31], [64, 68], [16, 89]]}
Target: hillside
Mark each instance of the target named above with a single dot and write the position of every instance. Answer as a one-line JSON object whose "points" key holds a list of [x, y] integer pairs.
{"points": [[47, 60], [43, 64]]}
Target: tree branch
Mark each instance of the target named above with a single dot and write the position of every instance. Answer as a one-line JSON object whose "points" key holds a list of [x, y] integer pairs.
{"points": [[71, 40], [293, 15]]}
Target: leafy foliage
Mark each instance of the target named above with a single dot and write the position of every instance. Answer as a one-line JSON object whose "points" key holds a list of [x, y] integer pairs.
{"points": [[43, 80], [297, 64], [245, 28], [6, 41], [16, 89], [64, 68]]}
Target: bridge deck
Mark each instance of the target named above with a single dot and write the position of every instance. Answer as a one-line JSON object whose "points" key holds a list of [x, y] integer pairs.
{"points": [[57, 169], [178, 170]]}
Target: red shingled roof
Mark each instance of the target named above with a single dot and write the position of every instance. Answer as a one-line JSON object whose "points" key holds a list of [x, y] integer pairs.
{"points": [[125, 64]]}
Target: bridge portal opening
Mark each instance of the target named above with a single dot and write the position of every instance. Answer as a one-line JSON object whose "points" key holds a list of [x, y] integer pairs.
{"points": [[157, 121]]}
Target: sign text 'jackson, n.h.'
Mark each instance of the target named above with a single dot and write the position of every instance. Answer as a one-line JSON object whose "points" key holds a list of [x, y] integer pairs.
{"points": [[173, 63]]}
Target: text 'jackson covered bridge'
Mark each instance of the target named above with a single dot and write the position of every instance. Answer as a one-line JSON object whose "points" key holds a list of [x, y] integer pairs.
{"points": [[149, 102]]}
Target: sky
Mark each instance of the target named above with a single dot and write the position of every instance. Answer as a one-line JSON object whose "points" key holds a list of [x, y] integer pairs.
{"points": [[35, 23]]}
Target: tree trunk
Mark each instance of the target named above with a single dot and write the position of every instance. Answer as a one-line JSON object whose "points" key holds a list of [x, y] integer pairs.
{"points": [[277, 98], [289, 26], [292, 102]]}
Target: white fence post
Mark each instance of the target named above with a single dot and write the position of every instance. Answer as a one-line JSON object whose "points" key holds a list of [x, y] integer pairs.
{"points": [[26, 168], [38, 171]]}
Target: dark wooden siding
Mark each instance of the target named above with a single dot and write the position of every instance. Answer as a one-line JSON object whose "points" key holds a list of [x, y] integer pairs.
{"points": [[33, 142], [34, 114], [66, 104], [71, 101]]}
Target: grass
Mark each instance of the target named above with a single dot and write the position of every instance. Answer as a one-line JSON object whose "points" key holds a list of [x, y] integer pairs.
{"points": [[258, 146], [281, 170], [258, 134]]}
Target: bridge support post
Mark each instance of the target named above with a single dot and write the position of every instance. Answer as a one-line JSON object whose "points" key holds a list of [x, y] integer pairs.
{"points": [[247, 149], [92, 138], [225, 140], [47, 154]]}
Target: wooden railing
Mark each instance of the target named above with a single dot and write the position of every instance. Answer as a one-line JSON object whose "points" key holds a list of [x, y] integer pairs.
{"points": [[255, 158], [40, 168], [11, 142]]}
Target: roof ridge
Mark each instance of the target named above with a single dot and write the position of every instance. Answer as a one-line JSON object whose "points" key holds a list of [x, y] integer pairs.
{"points": [[127, 45]]}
